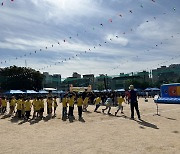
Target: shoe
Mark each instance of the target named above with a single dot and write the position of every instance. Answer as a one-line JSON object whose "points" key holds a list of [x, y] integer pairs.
{"points": [[102, 111], [115, 113], [132, 118], [140, 119], [122, 112]]}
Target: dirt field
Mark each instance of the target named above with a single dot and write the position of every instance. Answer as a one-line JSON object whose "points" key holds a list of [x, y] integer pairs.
{"points": [[99, 133]]}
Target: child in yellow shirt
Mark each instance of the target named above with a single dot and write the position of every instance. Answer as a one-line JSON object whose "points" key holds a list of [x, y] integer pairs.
{"points": [[19, 107], [64, 106], [27, 108], [41, 103], [36, 107], [55, 105], [71, 106], [12, 104], [4, 104], [120, 100], [49, 105], [23, 107], [85, 103], [97, 102], [79, 105]]}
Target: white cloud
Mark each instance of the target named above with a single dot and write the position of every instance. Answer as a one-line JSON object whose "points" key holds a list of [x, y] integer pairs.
{"points": [[115, 39]]}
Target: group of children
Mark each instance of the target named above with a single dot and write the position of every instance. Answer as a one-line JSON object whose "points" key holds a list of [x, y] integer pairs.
{"points": [[22, 106]]}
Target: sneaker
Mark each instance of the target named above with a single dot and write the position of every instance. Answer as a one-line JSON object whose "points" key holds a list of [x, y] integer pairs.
{"points": [[115, 113], [132, 118]]}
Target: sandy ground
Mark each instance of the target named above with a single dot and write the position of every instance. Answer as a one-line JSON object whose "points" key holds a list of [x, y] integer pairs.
{"points": [[99, 133]]}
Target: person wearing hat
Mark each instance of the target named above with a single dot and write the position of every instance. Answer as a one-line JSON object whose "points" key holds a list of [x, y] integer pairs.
{"points": [[134, 102]]}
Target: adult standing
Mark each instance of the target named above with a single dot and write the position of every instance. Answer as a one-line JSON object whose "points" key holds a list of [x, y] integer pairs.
{"points": [[134, 102]]}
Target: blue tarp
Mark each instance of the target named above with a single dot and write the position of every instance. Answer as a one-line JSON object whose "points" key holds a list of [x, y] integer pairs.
{"points": [[14, 92]]}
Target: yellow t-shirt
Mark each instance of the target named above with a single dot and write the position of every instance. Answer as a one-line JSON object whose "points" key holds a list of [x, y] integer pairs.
{"points": [[13, 102], [4, 102], [86, 100], [36, 105], [49, 103], [19, 104], [120, 100], [41, 104], [28, 106], [98, 100], [64, 102], [79, 102], [71, 101]]}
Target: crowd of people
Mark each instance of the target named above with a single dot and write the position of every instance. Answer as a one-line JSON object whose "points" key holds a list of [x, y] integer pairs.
{"points": [[23, 106]]}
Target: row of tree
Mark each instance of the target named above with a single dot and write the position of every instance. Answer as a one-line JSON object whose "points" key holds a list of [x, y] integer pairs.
{"points": [[13, 78]]}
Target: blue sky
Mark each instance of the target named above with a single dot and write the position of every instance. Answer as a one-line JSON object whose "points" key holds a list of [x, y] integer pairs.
{"points": [[117, 35]]}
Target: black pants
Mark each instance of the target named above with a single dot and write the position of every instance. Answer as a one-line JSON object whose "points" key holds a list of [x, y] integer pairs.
{"points": [[135, 105], [80, 111], [71, 111], [106, 109], [97, 106], [3, 109], [64, 112], [19, 113], [27, 114]]}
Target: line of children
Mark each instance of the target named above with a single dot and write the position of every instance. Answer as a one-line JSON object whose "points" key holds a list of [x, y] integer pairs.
{"points": [[24, 106]]}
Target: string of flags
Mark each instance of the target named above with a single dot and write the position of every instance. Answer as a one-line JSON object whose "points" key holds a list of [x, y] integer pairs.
{"points": [[64, 41], [85, 52]]}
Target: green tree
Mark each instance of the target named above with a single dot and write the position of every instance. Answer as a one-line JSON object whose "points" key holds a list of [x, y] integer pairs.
{"points": [[23, 78]]}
